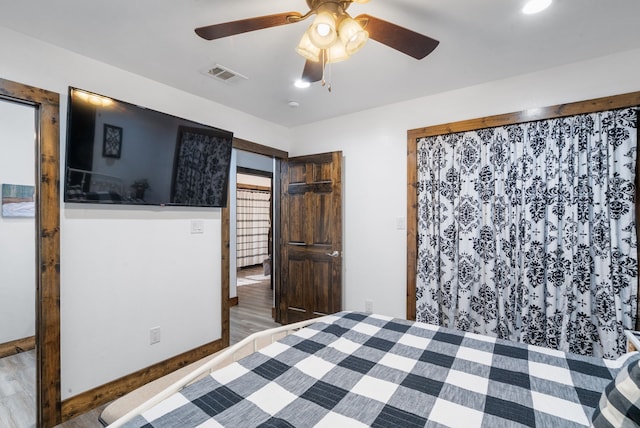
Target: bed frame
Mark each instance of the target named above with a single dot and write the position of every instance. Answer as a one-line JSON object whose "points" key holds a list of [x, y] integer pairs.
{"points": [[245, 347], [97, 181]]}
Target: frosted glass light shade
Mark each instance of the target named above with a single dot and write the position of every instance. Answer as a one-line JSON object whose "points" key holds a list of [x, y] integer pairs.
{"points": [[361, 1], [307, 49], [323, 31], [337, 52], [352, 35]]}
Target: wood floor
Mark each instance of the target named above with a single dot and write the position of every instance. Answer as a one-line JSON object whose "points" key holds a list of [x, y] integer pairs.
{"points": [[253, 312], [17, 372], [17, 390]]}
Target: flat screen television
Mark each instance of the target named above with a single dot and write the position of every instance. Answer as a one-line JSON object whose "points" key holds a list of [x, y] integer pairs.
{"points": [[121, 153]]}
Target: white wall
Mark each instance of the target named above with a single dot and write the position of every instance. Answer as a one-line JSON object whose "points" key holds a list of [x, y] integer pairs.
{"points": [[17, 234], [125, 270], [374, 145]]}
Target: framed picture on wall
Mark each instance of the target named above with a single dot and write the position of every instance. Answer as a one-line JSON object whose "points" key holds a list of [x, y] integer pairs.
{"points": [[18, 200], [112, 141]]}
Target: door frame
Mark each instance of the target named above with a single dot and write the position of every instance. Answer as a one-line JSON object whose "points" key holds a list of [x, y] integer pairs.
{"points": [[279, 156], [47, 305]]}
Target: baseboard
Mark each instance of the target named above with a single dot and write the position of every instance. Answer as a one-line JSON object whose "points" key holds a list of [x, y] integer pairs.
{"points": [[89, 400], [17, 346], [233, 301]]}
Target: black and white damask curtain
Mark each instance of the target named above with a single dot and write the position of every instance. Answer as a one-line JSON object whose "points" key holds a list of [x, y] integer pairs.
{"points": [[527, 232], [202, 165]]}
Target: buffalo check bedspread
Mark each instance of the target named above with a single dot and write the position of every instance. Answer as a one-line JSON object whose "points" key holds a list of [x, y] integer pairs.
{"points": [[358, 370]]}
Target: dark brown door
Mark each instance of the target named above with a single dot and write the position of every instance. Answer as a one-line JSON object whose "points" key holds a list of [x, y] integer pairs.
{"points": [[311, 231]]}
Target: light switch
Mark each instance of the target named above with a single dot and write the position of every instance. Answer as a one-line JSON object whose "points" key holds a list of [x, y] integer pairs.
{"points": [[197, 226], [401, 223]]}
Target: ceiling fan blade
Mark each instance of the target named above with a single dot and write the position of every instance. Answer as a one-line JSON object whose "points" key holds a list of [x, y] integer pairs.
{"points": [[402, 39], [312, 71], [218, 31]]}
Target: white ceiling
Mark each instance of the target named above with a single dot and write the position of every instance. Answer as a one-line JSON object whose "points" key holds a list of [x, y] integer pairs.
{"points": [[480, 40]]}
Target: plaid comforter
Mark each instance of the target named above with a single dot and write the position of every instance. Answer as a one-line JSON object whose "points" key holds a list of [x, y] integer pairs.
{"points": [[362, 370]]}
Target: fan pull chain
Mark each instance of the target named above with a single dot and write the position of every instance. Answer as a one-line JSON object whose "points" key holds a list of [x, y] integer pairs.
{"points": [[324, 67]]}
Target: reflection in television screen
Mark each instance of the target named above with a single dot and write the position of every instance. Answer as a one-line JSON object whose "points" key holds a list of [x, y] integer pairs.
{"points": [[120, 153]]}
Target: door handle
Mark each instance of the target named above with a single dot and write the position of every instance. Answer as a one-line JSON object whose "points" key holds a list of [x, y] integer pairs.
{"points": [[336, 253]]}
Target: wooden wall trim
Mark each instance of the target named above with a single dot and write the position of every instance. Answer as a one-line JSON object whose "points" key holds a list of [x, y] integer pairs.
{"points": [[225, 271], [110, 391], [17, 346], [249, 146], [48, 300], [412, 228], [47, 105], [552, 112], [562, 110]]}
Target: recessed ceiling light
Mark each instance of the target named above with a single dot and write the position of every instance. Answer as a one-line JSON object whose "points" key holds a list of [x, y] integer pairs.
{"points": [[293, 104], [535, 6], [301, 84]]}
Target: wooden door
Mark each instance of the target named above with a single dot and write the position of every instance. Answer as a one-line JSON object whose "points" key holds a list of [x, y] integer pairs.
{"points": [[311, 236]]}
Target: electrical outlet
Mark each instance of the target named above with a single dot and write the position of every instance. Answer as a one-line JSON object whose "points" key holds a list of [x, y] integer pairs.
{"points": [[154, 335], [368, 306]]}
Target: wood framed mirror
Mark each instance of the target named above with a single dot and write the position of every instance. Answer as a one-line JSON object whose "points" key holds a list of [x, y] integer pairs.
{"points": [[47, 198]]}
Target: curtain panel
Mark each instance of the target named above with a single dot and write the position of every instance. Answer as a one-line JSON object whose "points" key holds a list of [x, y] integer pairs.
{"points": [[527, 232], [202, 164], [252, 227]]}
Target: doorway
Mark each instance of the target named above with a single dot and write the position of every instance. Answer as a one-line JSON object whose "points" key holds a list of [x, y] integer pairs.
{"points": [[251, 253], [17, 264], [253, 221], [47, 243]]}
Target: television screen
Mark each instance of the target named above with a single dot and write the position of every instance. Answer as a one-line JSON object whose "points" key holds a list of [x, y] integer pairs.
{"points": [[121, 153]]}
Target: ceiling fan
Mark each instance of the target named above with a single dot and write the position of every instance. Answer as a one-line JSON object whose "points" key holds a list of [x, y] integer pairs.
{"points": [[333, 36]]}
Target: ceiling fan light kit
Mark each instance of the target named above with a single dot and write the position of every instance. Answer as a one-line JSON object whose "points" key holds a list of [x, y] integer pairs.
{"points": [[333, 35]]}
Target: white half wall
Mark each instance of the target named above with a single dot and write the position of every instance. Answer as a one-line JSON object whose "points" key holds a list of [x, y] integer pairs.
{"points": [[125, 270], [374, 144], [17, 234]]}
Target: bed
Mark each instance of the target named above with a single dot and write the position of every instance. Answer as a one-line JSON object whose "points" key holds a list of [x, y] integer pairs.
{"points": [[91, 186], [354, 369]]}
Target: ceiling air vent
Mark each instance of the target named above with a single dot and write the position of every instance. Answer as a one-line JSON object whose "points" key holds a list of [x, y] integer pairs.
{"points": [[225, 74]]}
